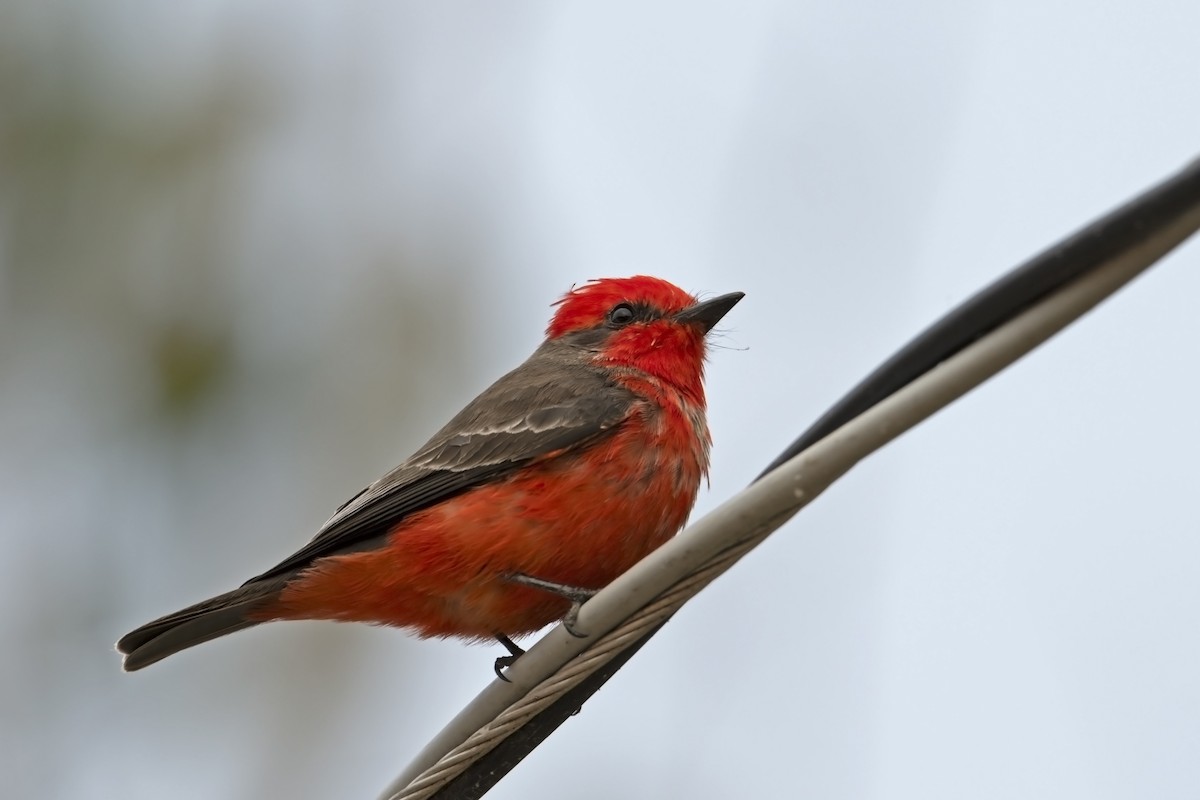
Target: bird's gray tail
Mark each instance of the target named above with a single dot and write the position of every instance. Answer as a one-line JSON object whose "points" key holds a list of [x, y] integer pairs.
{"points": [[209, 619]]}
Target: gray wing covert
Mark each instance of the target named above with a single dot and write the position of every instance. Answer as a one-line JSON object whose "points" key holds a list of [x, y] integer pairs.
{"points": [[547, 404]]}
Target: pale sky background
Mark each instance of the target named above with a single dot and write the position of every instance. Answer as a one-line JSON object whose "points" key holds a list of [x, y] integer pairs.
{"points": [[252, 255]]}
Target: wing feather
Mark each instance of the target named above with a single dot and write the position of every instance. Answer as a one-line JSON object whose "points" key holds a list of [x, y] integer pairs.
{"points": [[552, 402]]}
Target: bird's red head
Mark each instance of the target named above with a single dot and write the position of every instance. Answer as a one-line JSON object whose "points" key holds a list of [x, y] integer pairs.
{"points": [[642, 322]]}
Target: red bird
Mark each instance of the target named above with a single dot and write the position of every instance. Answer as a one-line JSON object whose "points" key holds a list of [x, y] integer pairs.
{"points": [[546, 487]]}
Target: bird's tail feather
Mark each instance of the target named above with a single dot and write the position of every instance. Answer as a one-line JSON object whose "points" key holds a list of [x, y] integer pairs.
{"points": [[201, 622]]}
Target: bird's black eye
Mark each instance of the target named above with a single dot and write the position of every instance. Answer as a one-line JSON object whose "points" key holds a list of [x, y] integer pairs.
{"points": [[622, 314]]}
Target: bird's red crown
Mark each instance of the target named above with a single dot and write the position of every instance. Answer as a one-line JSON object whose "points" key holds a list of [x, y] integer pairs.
{"points": [[586, 306]]}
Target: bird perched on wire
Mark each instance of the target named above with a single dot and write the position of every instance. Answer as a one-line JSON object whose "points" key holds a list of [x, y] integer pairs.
{"points": [[558, 478]]}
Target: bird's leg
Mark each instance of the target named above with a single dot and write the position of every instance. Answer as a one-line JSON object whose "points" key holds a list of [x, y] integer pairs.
{"points": [[576, 594], [504, 662]]}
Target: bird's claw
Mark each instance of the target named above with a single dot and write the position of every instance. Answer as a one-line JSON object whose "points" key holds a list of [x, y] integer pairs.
{"points": [[576, 594], [571, 619], [504, 662]]}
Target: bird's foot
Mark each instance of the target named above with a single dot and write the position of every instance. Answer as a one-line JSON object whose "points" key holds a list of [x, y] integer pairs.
{"points": [[570, 620], [576, 594], [504, 662]]}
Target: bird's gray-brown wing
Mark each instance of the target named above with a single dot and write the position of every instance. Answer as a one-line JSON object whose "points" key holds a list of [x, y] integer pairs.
{"points": [[550, 403]]}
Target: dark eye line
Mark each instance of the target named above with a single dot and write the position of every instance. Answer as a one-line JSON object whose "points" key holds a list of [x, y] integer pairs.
{"points": [[626, 313]]}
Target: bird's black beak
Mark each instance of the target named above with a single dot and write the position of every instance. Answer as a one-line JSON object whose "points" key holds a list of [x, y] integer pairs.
{"points": [[709, 313]]}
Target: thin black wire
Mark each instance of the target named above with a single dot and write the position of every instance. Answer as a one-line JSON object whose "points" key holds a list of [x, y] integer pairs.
{"points": [[1007, 297], [1118, 231]]}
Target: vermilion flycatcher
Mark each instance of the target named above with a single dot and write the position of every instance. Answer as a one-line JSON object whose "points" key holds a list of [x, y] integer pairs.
{"points": [[546, 487]]}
